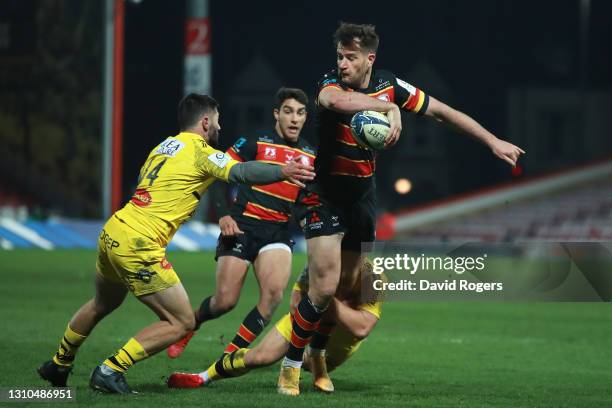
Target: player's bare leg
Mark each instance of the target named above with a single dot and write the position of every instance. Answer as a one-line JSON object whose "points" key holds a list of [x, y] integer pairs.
{"points": [[172, 307], [230, 275], [272, 270], [109, 296]]}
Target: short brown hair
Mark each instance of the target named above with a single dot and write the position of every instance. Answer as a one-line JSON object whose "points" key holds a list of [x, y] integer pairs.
{"points": [[364, 34], [290, 93]]}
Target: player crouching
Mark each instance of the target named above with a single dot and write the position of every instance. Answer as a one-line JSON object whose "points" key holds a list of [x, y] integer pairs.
{"points": [[348, 321]]}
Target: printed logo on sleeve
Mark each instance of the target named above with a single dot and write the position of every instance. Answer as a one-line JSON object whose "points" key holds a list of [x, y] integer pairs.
{"points": [[411, 89], [170, 147], [219, 159]]}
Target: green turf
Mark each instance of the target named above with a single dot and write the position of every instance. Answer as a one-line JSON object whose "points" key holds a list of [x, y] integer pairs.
{"points": [[421, 354]]}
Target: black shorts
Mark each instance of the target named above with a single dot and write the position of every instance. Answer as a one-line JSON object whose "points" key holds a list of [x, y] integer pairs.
{"points": [[319, 216], [256, 237]]}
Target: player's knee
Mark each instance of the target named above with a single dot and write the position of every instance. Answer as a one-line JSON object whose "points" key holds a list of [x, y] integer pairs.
{"points": [[270, 302], [184, 324], [324, 266]]}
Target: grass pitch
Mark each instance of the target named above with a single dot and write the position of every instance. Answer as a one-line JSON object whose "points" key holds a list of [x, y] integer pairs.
{"points": [[421, 354]]}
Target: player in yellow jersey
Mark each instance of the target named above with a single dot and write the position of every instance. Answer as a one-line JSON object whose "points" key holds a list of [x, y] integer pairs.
{"points": [[345, 324], [132, 244]]}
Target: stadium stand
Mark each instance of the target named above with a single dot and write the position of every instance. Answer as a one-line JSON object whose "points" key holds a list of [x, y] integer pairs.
{"points": [[578, 213]]}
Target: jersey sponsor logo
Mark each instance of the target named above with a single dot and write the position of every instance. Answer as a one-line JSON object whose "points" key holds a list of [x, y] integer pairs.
{"points": [[219, 159], [143, 275], [382, 84], [141, 198], [269, 153], [165, 264], [289, 155], [108, 242], [384, 97], [411, 89], [239, 143], [170, 147], [266, 139], [314, 222]]}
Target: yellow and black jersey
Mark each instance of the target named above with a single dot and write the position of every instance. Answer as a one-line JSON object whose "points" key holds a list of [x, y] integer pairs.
{"points": [[172, 180], [271, 202], [342, 166]]}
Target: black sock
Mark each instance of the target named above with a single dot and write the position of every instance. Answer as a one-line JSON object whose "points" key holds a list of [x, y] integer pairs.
{"points": [[251, 327], [306, 318]]}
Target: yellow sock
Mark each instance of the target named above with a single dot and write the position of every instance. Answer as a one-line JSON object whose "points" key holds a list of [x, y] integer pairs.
{"points": [[69, 345], [128, 355], [230, 365]]}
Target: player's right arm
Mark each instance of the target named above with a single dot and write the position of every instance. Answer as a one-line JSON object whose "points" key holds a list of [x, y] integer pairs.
{"points": [[358, 322], [336, 99], [253, 172]]}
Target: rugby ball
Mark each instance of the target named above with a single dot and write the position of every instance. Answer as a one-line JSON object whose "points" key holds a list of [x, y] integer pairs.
{"points": [[370, 129]]}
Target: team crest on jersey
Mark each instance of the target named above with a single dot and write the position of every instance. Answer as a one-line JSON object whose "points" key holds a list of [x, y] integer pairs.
{"points": [[141, 198], [170, 147], [219, 159], [269, 153], [304, 160]]}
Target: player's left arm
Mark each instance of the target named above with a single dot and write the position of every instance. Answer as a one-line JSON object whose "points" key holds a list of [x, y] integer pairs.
{"points": [[358, 322], [462, 123]]}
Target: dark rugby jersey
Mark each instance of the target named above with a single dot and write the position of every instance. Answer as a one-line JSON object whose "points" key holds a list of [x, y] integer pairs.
{"points": [[271, 202], [344, 169]]}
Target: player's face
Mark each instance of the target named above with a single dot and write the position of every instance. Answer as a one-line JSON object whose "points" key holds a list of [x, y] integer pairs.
{"points": [[354, 64], [290, 119], [210, 124]]}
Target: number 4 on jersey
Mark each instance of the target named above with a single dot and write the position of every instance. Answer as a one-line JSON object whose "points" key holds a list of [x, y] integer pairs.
{"points": [[153, 174]]}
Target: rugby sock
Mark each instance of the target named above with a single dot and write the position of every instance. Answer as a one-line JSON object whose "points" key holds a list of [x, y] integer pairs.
{"points": [[251, 327], [69, 345], [230, 365], [305, 320], [205, 313], [128, 355], [321, 337]]}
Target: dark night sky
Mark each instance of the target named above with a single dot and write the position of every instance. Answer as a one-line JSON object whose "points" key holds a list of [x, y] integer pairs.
{"points": [[480, 48]]}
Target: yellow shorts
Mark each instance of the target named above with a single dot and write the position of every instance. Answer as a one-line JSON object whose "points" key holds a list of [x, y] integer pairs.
{"points": [[128, 257], [340, 347]]}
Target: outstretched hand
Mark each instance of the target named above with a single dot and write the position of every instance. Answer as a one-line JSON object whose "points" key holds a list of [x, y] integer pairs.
{"points": [[506, 151], [295, 172]]}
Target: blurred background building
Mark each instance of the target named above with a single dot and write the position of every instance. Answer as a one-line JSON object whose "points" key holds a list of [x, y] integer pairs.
{"points": [[537, 73]]}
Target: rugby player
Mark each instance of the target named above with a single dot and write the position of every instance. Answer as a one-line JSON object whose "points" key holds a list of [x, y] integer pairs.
{"points": [[132, 244], [256, 231], [356, 316], [338, 207]]}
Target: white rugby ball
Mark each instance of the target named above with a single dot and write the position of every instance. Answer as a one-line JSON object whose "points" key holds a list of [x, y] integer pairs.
{"points": [[370, 129]]}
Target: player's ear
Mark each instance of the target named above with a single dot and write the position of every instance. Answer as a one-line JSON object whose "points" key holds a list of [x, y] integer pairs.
{"points": [[371, 58], [205, 122], [276, 113]]}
